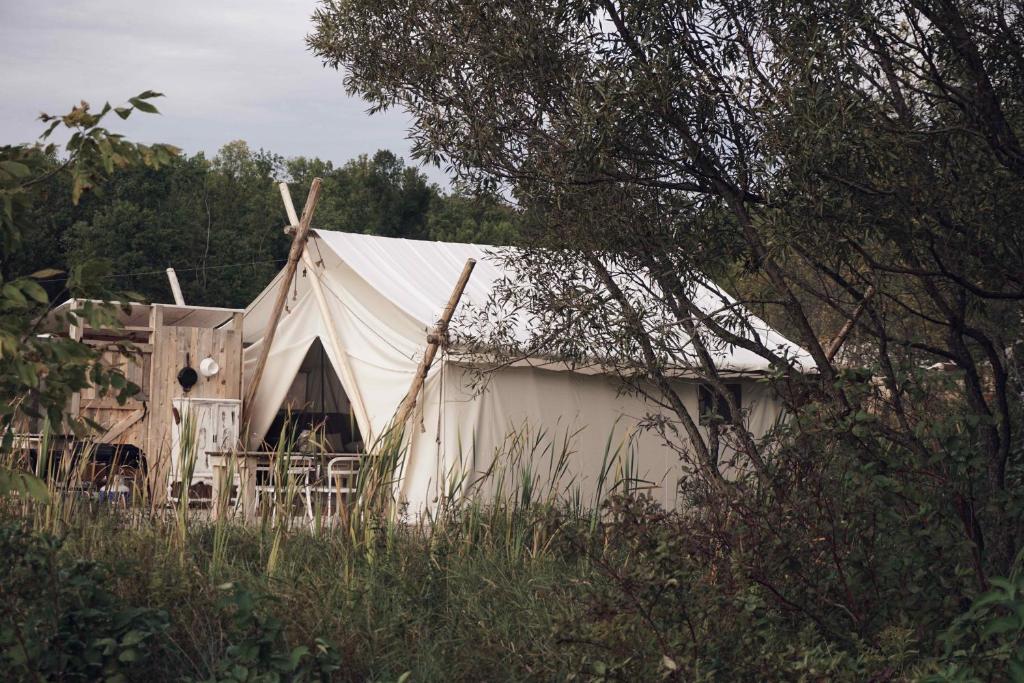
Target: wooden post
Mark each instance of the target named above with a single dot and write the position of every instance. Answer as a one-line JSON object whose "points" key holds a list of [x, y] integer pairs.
{"points": [[844, 332], [294, 254], [433, 343], [223, 465], [223, 479], [347, 376], [76, 331], [247, 485], [172, 277]]}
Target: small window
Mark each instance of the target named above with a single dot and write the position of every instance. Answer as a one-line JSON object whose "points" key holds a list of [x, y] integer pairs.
{"points": [[716, 411]]}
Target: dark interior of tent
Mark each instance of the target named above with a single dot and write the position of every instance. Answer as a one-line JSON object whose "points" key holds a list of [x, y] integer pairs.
{"points": [[316, 408]]}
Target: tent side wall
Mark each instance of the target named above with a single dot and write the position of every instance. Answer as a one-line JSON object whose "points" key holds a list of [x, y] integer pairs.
{"points": [[381, 295], [485, 442]]}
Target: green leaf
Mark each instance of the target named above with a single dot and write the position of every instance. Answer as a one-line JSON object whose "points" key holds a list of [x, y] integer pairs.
{"points": [[14, 168], [990, 598], [46, 273], [143, 105], [34, 291], [23, 483], [1001, 626], [49, 129], [133, 637], [14, 294], [296, 656]]}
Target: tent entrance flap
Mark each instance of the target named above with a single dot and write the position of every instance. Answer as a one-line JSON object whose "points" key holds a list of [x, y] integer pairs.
{"points": [[317, 402]]}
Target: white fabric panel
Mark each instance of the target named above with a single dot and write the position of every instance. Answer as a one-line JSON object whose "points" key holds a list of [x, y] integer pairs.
{"points": [[294, 336], [382, 296], [257, 314], [382, 345], [418, 276], [456, 440]]}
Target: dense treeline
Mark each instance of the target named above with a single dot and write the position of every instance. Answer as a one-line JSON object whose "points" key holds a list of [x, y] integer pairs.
{"points": [[219, 221]]}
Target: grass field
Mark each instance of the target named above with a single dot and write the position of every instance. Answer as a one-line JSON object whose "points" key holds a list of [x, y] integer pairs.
{"points": [[480, 597], [525, 587]]}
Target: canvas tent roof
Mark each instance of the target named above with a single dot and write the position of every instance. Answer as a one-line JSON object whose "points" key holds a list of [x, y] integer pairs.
{"points": [[416, 277], [378, 297]]}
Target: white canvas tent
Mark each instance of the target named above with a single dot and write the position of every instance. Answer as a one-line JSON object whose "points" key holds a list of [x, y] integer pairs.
{"points": [[382, 296]]}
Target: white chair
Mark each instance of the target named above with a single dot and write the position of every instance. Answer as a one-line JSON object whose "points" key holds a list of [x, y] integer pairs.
{"points": [[300, 469], [342, 481]]}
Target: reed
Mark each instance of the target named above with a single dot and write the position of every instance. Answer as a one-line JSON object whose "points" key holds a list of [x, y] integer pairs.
{"points": [[491, 569]]}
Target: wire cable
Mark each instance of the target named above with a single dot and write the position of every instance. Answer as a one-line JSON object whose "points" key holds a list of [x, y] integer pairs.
{"points": [[177, 270]]}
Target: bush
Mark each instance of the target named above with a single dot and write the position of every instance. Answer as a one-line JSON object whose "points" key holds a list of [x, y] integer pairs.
{"points": [[987, 642], [61, 622], [258, 652]]}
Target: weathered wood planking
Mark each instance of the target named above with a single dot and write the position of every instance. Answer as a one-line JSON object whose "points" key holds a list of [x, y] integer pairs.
{"points": [[161, 350], [173, 349], [106, 411]]}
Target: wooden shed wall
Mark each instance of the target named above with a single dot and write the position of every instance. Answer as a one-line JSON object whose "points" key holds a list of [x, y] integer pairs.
{"points": [[125, 424], [173, 348]]}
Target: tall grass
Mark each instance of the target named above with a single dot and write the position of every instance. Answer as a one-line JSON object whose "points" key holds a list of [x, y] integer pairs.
{"points": [[473, 590]]}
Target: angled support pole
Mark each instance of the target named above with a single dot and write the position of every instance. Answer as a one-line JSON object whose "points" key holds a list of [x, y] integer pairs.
{"points": [[345, 370], [294, 254], [433, 343], [844, 332], [172, 278]]}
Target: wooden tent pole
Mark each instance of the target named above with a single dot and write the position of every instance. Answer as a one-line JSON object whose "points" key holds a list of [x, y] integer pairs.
{"points": [[347, 377], [433, 343], [172, 278], [294, 254], [844, 332]]}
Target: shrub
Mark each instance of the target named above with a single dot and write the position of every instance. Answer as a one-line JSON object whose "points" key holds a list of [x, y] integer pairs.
{"points": [[258, 652], [59, 620], [986, 643]]}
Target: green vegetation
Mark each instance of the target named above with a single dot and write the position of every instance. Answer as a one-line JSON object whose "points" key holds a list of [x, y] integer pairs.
{"points": [[506, 593], [826, 162], [38, 374], [219, 221]]}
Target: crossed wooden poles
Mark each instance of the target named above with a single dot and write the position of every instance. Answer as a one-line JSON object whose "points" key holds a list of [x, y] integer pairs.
{"points": [[300, 229]]}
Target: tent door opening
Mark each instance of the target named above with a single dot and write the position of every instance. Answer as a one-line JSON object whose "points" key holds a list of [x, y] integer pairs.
{"points": [[317, 404]]}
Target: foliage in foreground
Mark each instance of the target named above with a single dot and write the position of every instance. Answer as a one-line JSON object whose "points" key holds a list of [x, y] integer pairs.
{"points": [[499, 593], [843, 167], [40, 372]]}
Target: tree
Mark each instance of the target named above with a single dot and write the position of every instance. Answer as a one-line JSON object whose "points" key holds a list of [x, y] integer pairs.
{"points": [[807, 156], [219, 221], [39, 373], [474, 218], [376, 195]]}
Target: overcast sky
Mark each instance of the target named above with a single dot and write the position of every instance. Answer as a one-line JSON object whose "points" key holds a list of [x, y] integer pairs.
{"points": [[230, 69]]}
